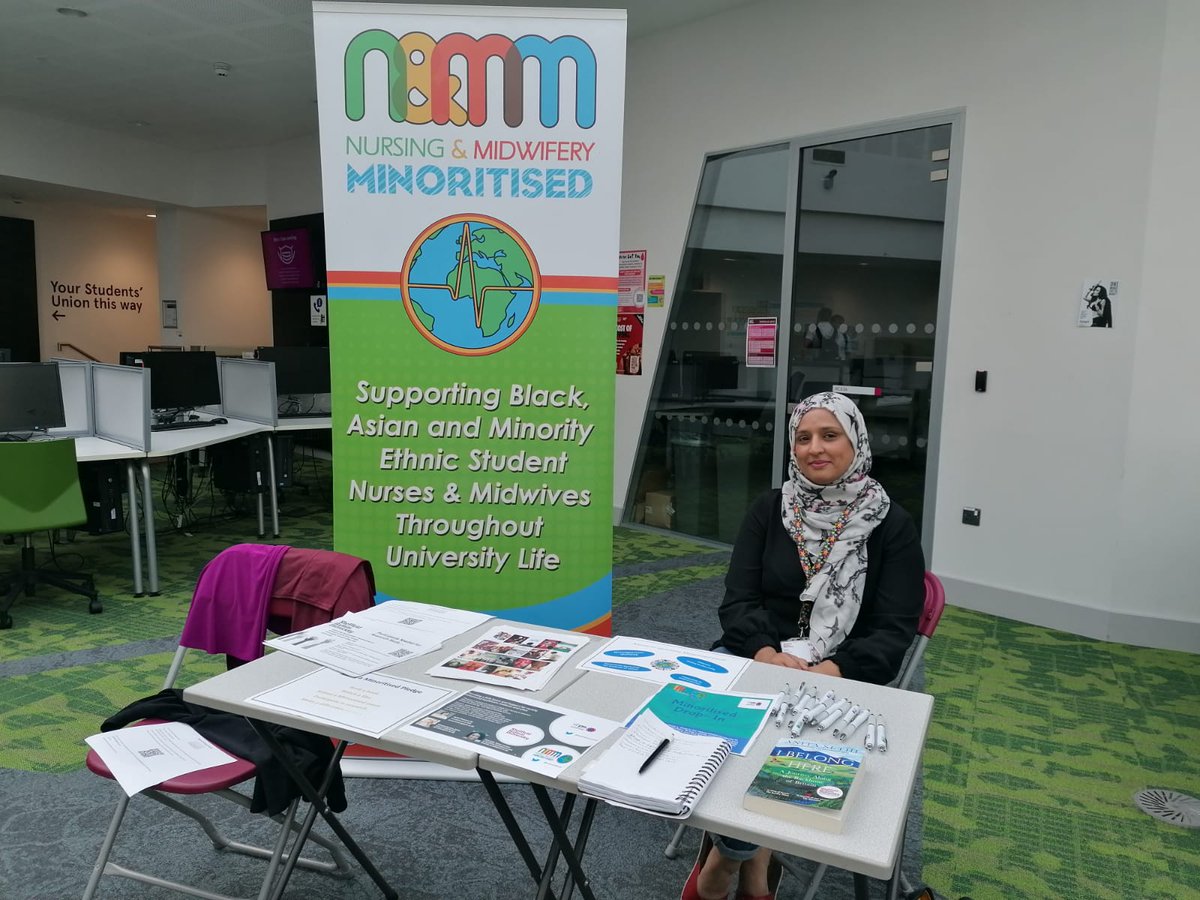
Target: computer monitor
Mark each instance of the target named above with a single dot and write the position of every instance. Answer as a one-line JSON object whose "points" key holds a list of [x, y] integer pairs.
{"points": [[298, 370], [179, 379], [30, 397]]}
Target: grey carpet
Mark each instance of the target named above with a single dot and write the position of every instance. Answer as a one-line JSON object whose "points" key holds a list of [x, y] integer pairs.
{"points": [[431, 839]]}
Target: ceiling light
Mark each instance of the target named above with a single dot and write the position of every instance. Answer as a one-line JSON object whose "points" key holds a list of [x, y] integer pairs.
{"points": [[151, 215], [72, 12], [221, 70]]}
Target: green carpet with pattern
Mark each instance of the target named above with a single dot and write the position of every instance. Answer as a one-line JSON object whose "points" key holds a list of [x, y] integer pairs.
{"points": [[1039, 738]]}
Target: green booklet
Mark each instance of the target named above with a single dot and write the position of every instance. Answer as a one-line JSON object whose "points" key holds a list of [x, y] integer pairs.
{"points": [[738, 718], [806, 782]]}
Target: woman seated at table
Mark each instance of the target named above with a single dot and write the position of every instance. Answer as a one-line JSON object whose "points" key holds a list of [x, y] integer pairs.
{"points": [[827, 576]]}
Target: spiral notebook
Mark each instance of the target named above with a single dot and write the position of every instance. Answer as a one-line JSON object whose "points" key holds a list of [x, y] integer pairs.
{"points": [[671, 783]]}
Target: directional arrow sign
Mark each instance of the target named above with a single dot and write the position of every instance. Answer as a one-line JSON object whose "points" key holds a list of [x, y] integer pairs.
{"points": [[58, 315]]}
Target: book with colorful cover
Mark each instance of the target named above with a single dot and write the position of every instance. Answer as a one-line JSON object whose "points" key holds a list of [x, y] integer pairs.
{"points": [[806, 782]]}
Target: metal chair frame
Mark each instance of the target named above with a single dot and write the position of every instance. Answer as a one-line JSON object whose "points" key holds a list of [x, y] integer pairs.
{"points": [[277, 856]]}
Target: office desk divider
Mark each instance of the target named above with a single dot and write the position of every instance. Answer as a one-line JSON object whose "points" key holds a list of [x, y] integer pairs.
{"points": [[121, 404], [248, 390], [76, 378]]}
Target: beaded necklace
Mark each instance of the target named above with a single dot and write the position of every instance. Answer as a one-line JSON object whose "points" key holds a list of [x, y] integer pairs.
{"points": [[812, 563]]}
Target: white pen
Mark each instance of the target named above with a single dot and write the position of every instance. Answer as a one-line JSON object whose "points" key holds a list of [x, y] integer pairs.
{"points": [[839, 728], [832, 714], [857, 723], [797, 709], [829, 720], [869, 742], [782, 704], [810, 714], [880, 736]]}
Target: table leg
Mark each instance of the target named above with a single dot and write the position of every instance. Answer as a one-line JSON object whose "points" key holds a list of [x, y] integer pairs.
{"points": [[148, 518], [581, 839], [560, 834], [555, 851], [510, 822], [135, 536], [319, 806], [893, 883], [274, 489], [862, 887]]}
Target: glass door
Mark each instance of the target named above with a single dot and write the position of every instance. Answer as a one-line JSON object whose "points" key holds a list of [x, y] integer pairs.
{"points": [[864, 296], [708, 438], [808, 266]]}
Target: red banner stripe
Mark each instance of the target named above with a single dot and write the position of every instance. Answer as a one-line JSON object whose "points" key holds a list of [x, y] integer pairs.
{"points": [[549, 282]]}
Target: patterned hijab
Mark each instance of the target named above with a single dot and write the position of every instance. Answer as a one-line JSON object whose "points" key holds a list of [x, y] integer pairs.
{"points": [[835, 519]]}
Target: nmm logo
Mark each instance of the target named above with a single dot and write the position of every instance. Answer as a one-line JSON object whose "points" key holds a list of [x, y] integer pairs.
{"points": [[422, 90]]}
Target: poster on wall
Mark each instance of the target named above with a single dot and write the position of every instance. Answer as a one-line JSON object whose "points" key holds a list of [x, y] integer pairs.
{"points": [[631, 281], [656, 290], [471, 168], [1096, 301], [761, 332], [629, 343]]}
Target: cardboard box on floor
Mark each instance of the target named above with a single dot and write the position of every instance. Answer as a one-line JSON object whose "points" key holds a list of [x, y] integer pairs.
{"points": [[660, 508]]}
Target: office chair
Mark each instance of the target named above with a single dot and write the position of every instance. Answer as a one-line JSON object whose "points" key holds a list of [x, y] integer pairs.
{"points": [[935, 603], [224, 601], [39, 490]]}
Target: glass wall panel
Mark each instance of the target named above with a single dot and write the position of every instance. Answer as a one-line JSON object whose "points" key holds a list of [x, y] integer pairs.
{"points": [[707, 441], [865, 289]]}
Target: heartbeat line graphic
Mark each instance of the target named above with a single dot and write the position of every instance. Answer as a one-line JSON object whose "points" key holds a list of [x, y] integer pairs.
{"points": [[466, 263]]}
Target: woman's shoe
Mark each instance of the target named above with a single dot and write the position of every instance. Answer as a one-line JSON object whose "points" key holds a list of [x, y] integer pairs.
{"points": [[690, 891], [774, 876]]}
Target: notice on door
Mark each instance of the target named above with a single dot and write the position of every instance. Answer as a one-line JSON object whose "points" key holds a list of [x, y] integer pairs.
{"points": [[761, 332]]}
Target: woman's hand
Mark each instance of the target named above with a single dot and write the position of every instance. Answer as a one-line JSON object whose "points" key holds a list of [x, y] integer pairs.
{"points": [[826, 667], [774, 657]]}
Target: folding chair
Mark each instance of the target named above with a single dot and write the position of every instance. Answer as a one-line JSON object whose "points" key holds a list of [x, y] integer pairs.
{"points": [[227, 605], [935, 602], [39, 490]]}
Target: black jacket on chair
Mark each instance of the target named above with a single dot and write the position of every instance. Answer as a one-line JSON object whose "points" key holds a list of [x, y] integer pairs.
{"points": [[273, 789]]}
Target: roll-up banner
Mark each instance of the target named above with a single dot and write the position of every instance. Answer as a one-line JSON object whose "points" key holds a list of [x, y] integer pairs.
{"points": [[471, 166]]}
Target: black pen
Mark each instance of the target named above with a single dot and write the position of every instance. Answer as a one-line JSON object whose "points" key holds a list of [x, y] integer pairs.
{"points": [[662, 745]]}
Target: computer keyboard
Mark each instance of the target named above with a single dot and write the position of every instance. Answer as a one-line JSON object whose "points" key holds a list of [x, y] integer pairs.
{"points": [[182, 423]]}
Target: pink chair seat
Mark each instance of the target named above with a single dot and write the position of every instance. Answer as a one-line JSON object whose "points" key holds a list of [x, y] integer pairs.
{"points": [[203, 782]]}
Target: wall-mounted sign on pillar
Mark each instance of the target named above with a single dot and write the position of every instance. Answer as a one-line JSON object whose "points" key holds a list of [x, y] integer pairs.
{"points": [[471, 169], [318, 311]]}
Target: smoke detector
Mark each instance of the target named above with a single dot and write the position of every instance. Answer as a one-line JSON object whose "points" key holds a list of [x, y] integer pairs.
{"points": [[221, 70]]}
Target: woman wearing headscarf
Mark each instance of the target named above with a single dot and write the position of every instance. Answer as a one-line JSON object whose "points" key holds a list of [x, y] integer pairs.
{"points": [[827, 575]]}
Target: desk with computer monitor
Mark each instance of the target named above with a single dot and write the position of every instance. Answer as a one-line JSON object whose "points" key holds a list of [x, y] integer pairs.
{"points": [[48, 400], [164, 404]]}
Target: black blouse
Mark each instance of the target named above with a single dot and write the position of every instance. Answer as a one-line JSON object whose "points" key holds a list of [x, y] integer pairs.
{"points": [[765, 580]]}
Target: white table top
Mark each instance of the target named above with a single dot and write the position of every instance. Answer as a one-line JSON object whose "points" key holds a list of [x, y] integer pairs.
{"points": [[230, 691], [870, 839], [871, 835], [304, 423], [168, 443], [96, 449]]}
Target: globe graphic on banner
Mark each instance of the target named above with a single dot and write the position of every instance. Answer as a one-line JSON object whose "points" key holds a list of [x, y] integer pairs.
{"points": [[470, 284]]}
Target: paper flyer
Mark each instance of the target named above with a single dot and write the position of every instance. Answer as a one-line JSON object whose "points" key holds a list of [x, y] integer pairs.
{"points": [[736, 717], [511, 657], [373, 704], [528, 734], [666, 663]]}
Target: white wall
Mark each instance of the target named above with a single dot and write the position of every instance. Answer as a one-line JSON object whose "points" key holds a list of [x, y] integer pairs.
{"points": [[1063, 127], [1155, 558], [98, 253], [212, 266]]}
